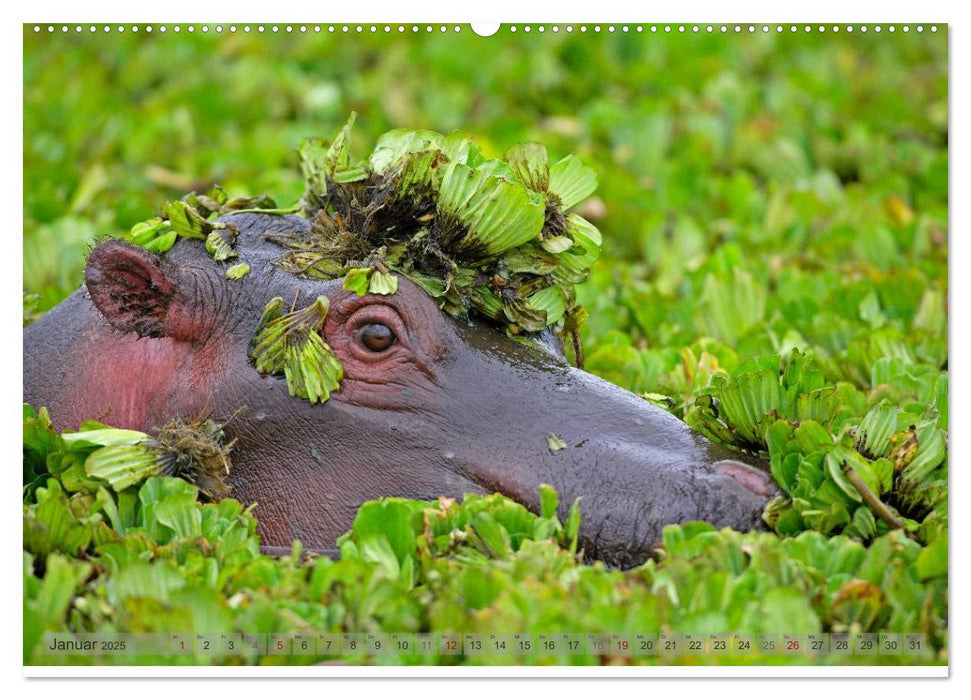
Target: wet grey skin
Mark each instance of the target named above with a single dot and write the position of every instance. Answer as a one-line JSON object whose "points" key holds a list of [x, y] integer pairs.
{"points": [[454, 407]]}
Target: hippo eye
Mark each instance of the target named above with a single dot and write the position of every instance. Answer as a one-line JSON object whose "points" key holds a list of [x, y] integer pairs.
{"points": [[376, 337]]}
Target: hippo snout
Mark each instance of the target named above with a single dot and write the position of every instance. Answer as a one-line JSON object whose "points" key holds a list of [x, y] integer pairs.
{"points": [[625, 512], [635, 467]]}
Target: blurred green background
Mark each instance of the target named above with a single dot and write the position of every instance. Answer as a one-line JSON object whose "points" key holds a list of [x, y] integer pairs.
{"points": [[768, 141]]}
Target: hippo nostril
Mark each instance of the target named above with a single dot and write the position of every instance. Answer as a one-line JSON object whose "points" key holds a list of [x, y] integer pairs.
{"points": [[748, 477]]}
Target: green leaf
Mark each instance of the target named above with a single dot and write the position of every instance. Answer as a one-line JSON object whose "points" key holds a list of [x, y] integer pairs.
{"points": [[785, 610], [549, 500], [187, 222], [555, 443], [62, 578], [730, 305], [311, 368], [530, 164], [459, 146], [932, 561], [376, 548], [57, 526], [157, 582], [220, 246], [357, 279], [393, 147], [183, 517], [147, 231], [572, 181], [237, 271], [155, 235], [163, 243], [382, 283], [493, 535], [552, 302], [499, 215], [390, 518], [875, 430], [571, 528], [290, 344], [337, 159], [834, 469], [575, 263], [122, 465], [556, 244], [86, 439]]}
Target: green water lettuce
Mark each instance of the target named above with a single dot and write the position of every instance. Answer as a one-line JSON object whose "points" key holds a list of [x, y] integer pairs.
{"points": [[149, 556], [291, 344], [486, 236]]}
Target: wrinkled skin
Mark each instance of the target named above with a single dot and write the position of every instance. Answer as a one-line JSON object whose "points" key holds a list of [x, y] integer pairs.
{"points": [[451, 408]]}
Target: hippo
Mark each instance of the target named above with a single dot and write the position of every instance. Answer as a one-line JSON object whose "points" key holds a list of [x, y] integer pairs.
{"points": [[428, 406]]}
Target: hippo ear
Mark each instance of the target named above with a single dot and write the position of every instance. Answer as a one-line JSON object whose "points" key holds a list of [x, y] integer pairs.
{"points": [[132, 288]]}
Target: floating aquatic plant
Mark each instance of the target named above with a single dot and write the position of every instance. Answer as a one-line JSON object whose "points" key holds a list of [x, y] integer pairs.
{"points": [[219, 244], [190, 450], [370, 280], [237, 271], [155, 235], [290, 344], [555, 443], [196, 216], [885, 471], [482, 235], [493, 236], [97, 455]]}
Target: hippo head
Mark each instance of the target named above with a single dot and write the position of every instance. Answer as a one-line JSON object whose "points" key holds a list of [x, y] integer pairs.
{"points": [[428, 405]]}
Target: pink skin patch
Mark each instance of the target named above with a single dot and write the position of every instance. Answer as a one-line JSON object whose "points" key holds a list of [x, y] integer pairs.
{"points": [[140, 383], [748, 477]]}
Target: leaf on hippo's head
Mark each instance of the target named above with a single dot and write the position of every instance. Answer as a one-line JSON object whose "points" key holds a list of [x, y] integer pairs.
{"points": [[187, 222], [311, 264], [155, 234], [572, 181], [237, 271], [495, 214], [290, 344], [383, 283], [555, 443], [357, 279], [370, 280], [394, 147], [426, 206], [459, 225], [322, 162], [219, 244], [530, 164], [337, 159], [311, 368]]}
